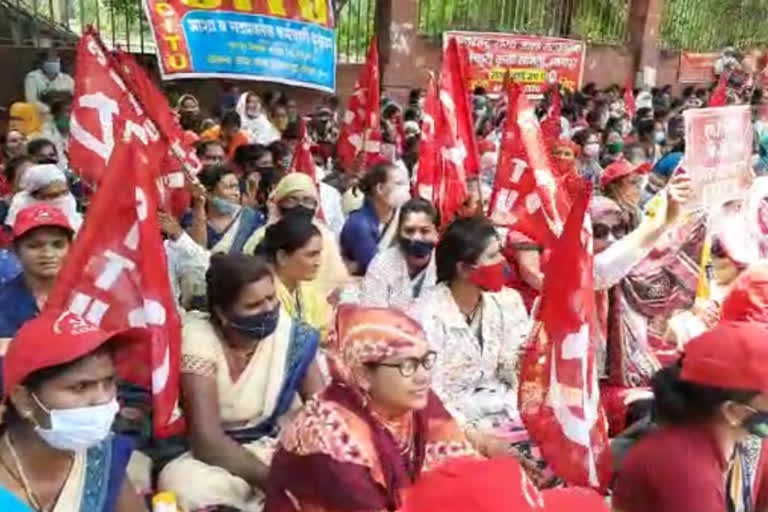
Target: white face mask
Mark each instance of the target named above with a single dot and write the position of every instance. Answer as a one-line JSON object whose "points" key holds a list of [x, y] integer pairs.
{"points": [[76, 430], [592, 150]]}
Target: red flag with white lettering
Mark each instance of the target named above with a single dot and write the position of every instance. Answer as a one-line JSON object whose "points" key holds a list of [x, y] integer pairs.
{"points": [[559, 397], [116, 276], [110, 94], [426, 172], [360, 129], [550, 125], [526, 194]]}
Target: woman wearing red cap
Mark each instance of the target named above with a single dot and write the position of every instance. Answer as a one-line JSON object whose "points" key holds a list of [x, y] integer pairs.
{"points": [[41, 237], [708, 406], [56, 450]]}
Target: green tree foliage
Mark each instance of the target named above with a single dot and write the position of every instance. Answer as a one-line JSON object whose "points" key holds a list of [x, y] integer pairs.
{"points": [[710, 25]]}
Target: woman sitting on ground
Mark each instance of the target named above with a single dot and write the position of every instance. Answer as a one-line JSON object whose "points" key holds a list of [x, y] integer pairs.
{"points": [[297, 193], [374, 430], [294, 245], [56, 450], [707, 404], [399, 275], [217, 220], [244, 368]]}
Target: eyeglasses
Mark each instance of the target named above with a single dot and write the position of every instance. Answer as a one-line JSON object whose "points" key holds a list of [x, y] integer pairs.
{"points": [[601, 231], [408, 367]]}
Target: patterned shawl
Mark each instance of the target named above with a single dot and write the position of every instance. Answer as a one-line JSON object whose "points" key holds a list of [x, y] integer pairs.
{"points": [[337, 455]]}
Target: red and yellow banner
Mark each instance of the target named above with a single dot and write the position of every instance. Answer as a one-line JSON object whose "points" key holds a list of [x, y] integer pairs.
{"points": [[534, 61]]}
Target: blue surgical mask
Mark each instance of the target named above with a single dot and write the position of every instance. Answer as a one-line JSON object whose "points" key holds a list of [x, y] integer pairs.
{"points": [[258, 326], [52, 68], [223, 206], [659, 137], [77, 429], [416, 248]]}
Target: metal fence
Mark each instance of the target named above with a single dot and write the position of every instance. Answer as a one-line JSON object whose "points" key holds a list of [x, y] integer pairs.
{"points": [[602, 21], [354, 29], [710, 25], [121, 23]]}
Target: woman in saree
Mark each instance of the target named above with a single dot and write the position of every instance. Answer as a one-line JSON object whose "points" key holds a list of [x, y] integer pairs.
{"points": [[297, 193], [626, 356], [56, 450], [293, 246], [246, 367], [374, 430], [217, 220]]}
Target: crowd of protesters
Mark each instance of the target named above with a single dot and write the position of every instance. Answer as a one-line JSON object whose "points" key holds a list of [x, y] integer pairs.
{"points": [[341, 342]]}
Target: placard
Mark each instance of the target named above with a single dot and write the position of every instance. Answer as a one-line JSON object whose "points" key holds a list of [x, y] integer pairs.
{"points": [[534, 61]]}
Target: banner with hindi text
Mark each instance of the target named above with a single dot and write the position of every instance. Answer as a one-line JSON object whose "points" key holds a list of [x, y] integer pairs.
{"points": [[533, 61], [286, 41]]}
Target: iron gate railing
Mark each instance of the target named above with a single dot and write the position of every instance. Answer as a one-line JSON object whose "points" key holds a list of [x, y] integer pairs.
{"points": [[602, 21], [354, 28]]}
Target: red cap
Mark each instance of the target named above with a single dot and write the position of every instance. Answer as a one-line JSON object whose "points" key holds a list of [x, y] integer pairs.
{"points": [[732, 355], [621, 168], [52, 339], [493, 485], [37, 216], [748, 299]]}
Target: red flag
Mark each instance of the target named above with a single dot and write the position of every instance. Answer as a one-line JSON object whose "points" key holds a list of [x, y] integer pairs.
{"points": [[526, 194], [302, 156], [116, 276], [550, 126], [629, 98], [559, 397], [719, 97], [360, 128], [427, 170], [111, 94]]}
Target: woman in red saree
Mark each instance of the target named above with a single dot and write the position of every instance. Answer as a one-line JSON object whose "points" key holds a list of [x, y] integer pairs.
{"points": [[374, 430]]}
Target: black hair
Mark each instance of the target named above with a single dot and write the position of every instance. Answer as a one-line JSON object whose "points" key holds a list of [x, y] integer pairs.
{"points": [[12, 166], [582, 136], [249, 153], [375, 176], [464, 241], [411, 114], [202, 147], [681, 402], [414, 95], [58, 100], [644, 113], [34, 147], [688, 91], [279, 150], [390, 110], [231, 120], [291, 131], [479, 91], [228, 274], [191, 121], [289, 234], [211, 175], [418, 205]]}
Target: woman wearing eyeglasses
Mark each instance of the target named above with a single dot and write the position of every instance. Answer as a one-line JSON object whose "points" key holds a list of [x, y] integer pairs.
{"points": [[626, 356], [374, 430], [297, 193]]}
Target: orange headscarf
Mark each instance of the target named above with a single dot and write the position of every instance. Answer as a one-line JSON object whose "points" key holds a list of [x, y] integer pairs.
{"points": [[24, 118]]}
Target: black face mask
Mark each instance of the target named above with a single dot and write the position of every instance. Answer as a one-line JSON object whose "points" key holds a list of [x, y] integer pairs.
{"points": [[258, 326], [416, 248], [299, 211]]}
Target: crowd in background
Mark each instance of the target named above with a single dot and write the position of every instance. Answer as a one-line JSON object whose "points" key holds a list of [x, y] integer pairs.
{"points": [[342, 342]]}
